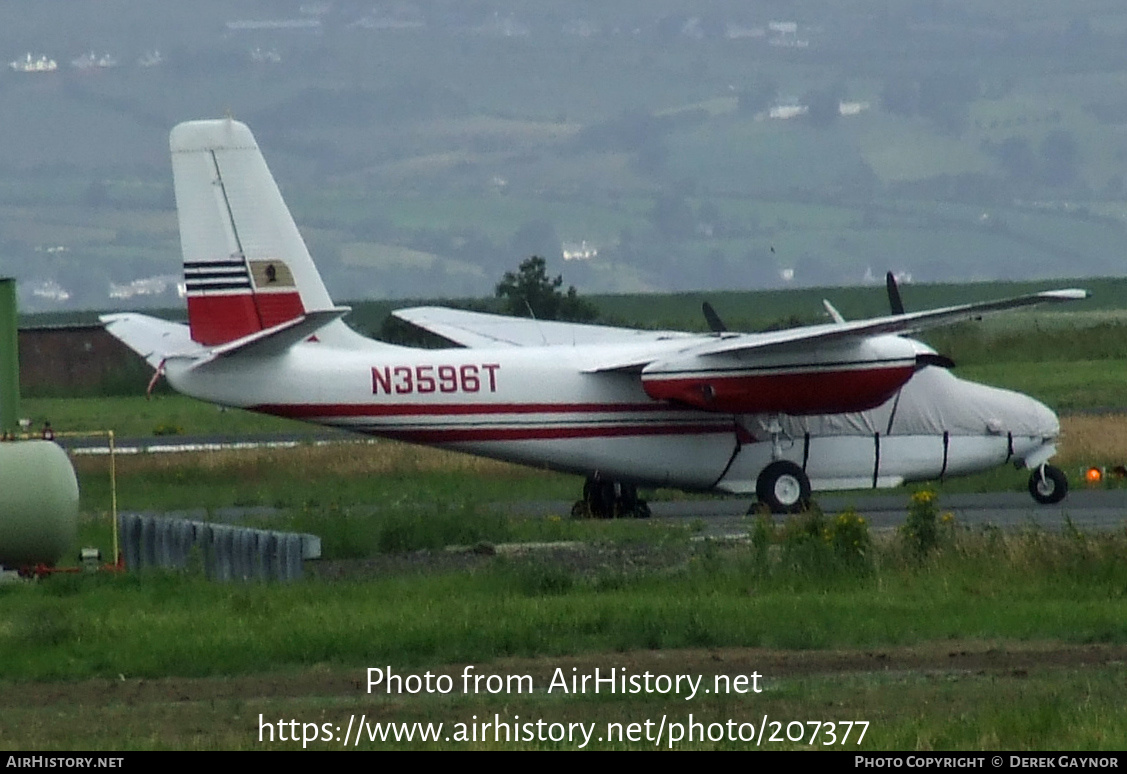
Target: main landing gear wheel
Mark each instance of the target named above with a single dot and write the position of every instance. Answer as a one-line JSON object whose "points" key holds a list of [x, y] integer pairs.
{"points": [[783, 487], [603, 499], [1048, 485]]}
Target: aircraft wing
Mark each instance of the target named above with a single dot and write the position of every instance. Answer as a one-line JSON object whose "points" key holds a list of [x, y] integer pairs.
{"points": [[808, 337], [891, 324], [479, 330]]}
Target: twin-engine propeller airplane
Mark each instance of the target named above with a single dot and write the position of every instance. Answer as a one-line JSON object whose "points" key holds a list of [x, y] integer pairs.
{"points": [[834, 406]]}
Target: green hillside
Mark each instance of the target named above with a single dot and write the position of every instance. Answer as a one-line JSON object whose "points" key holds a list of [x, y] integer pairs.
{"points": [[949, 141]]}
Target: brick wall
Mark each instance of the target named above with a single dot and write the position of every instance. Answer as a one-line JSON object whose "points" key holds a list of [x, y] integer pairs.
{"points": [[76, 360]]}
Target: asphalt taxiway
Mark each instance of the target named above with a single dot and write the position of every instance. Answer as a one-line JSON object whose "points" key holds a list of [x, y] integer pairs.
{"points": [[1085, 510]]}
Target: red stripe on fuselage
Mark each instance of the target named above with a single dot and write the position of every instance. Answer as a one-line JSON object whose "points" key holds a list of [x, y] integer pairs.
{"points": [[465, 434], [313, 410], [807, 392], [498, 428]]}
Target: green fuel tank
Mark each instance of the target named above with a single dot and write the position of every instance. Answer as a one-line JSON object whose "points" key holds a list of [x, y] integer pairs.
{"points": [[38, 503]]}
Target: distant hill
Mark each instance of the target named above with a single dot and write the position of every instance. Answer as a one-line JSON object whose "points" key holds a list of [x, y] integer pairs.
{"points": [[426, 148]]}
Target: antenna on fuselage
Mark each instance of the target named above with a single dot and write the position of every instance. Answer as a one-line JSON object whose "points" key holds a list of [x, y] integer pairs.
{"points": [[532, 314]]}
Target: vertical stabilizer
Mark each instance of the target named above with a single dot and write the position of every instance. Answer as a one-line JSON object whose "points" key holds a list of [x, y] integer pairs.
{"points": [[246, 266]]}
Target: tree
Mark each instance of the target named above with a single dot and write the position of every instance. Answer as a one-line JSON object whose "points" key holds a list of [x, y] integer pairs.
{"points": [[945, 97], [530, 289]]}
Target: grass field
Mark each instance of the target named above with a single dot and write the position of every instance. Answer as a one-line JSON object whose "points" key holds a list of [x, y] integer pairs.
{"points": [[981, 640], [163, 414], [937, 653], [992, 642], [373, 471], [935, 656], [959, 695]]}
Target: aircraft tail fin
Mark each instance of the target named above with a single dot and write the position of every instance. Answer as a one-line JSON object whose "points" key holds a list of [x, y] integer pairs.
{"points": [[246, 267]]}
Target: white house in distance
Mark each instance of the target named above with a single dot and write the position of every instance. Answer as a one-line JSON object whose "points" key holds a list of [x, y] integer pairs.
{"points": [[40, 65], [579, 251]]}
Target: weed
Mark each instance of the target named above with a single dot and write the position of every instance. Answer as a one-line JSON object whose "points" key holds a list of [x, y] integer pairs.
{"points": [[404, 529], [805, 544], [920, 529], [50, 626], [848, 535], [535, 578], [762, 535]]}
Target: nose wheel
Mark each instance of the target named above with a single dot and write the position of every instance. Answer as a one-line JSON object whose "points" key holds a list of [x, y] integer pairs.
{"points": [[1048, 485], [603, 499], [783, 487]]}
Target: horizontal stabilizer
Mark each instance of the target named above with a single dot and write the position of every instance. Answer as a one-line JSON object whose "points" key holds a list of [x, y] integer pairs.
{"points": [[274, 341], [159, 340], [152, 338]]}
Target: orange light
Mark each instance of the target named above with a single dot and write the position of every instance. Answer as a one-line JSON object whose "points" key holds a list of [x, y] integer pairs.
{"points": [[1094, 475]]}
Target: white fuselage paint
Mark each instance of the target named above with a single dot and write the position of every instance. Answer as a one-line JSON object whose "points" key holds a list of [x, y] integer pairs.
{"points": [[536, 406]]}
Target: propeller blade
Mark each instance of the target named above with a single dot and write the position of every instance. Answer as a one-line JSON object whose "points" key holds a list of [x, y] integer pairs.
{"points": [[714, 322], [931, 359], [894, 302]]}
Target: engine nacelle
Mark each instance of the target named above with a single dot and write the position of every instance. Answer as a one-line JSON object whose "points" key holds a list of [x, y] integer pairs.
{"points": [[853, 376]]}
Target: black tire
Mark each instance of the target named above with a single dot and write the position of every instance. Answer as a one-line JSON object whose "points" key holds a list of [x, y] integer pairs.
{"points": [[604, 499], [641, 510], [783, 487], [1048, 485], [599, 496]]}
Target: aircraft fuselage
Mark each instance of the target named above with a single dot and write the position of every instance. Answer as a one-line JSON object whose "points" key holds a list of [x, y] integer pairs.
{"points": [[537, 406]]}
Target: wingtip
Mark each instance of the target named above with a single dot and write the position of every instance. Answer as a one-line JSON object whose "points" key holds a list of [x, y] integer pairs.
{"points": [[1067, 294]]}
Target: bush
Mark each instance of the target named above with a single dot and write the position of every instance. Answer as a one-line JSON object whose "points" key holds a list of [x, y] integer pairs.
{"points": [[848, 534], [921, 529]]}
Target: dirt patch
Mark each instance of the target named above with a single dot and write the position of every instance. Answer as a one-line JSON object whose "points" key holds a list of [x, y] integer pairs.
{"points": [[572, 556], [325, 681]]}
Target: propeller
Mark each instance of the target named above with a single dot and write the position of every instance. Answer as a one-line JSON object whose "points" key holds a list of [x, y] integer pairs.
{"points": [[894, 302], [934, 359], [897, 307], [714, 322]]}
